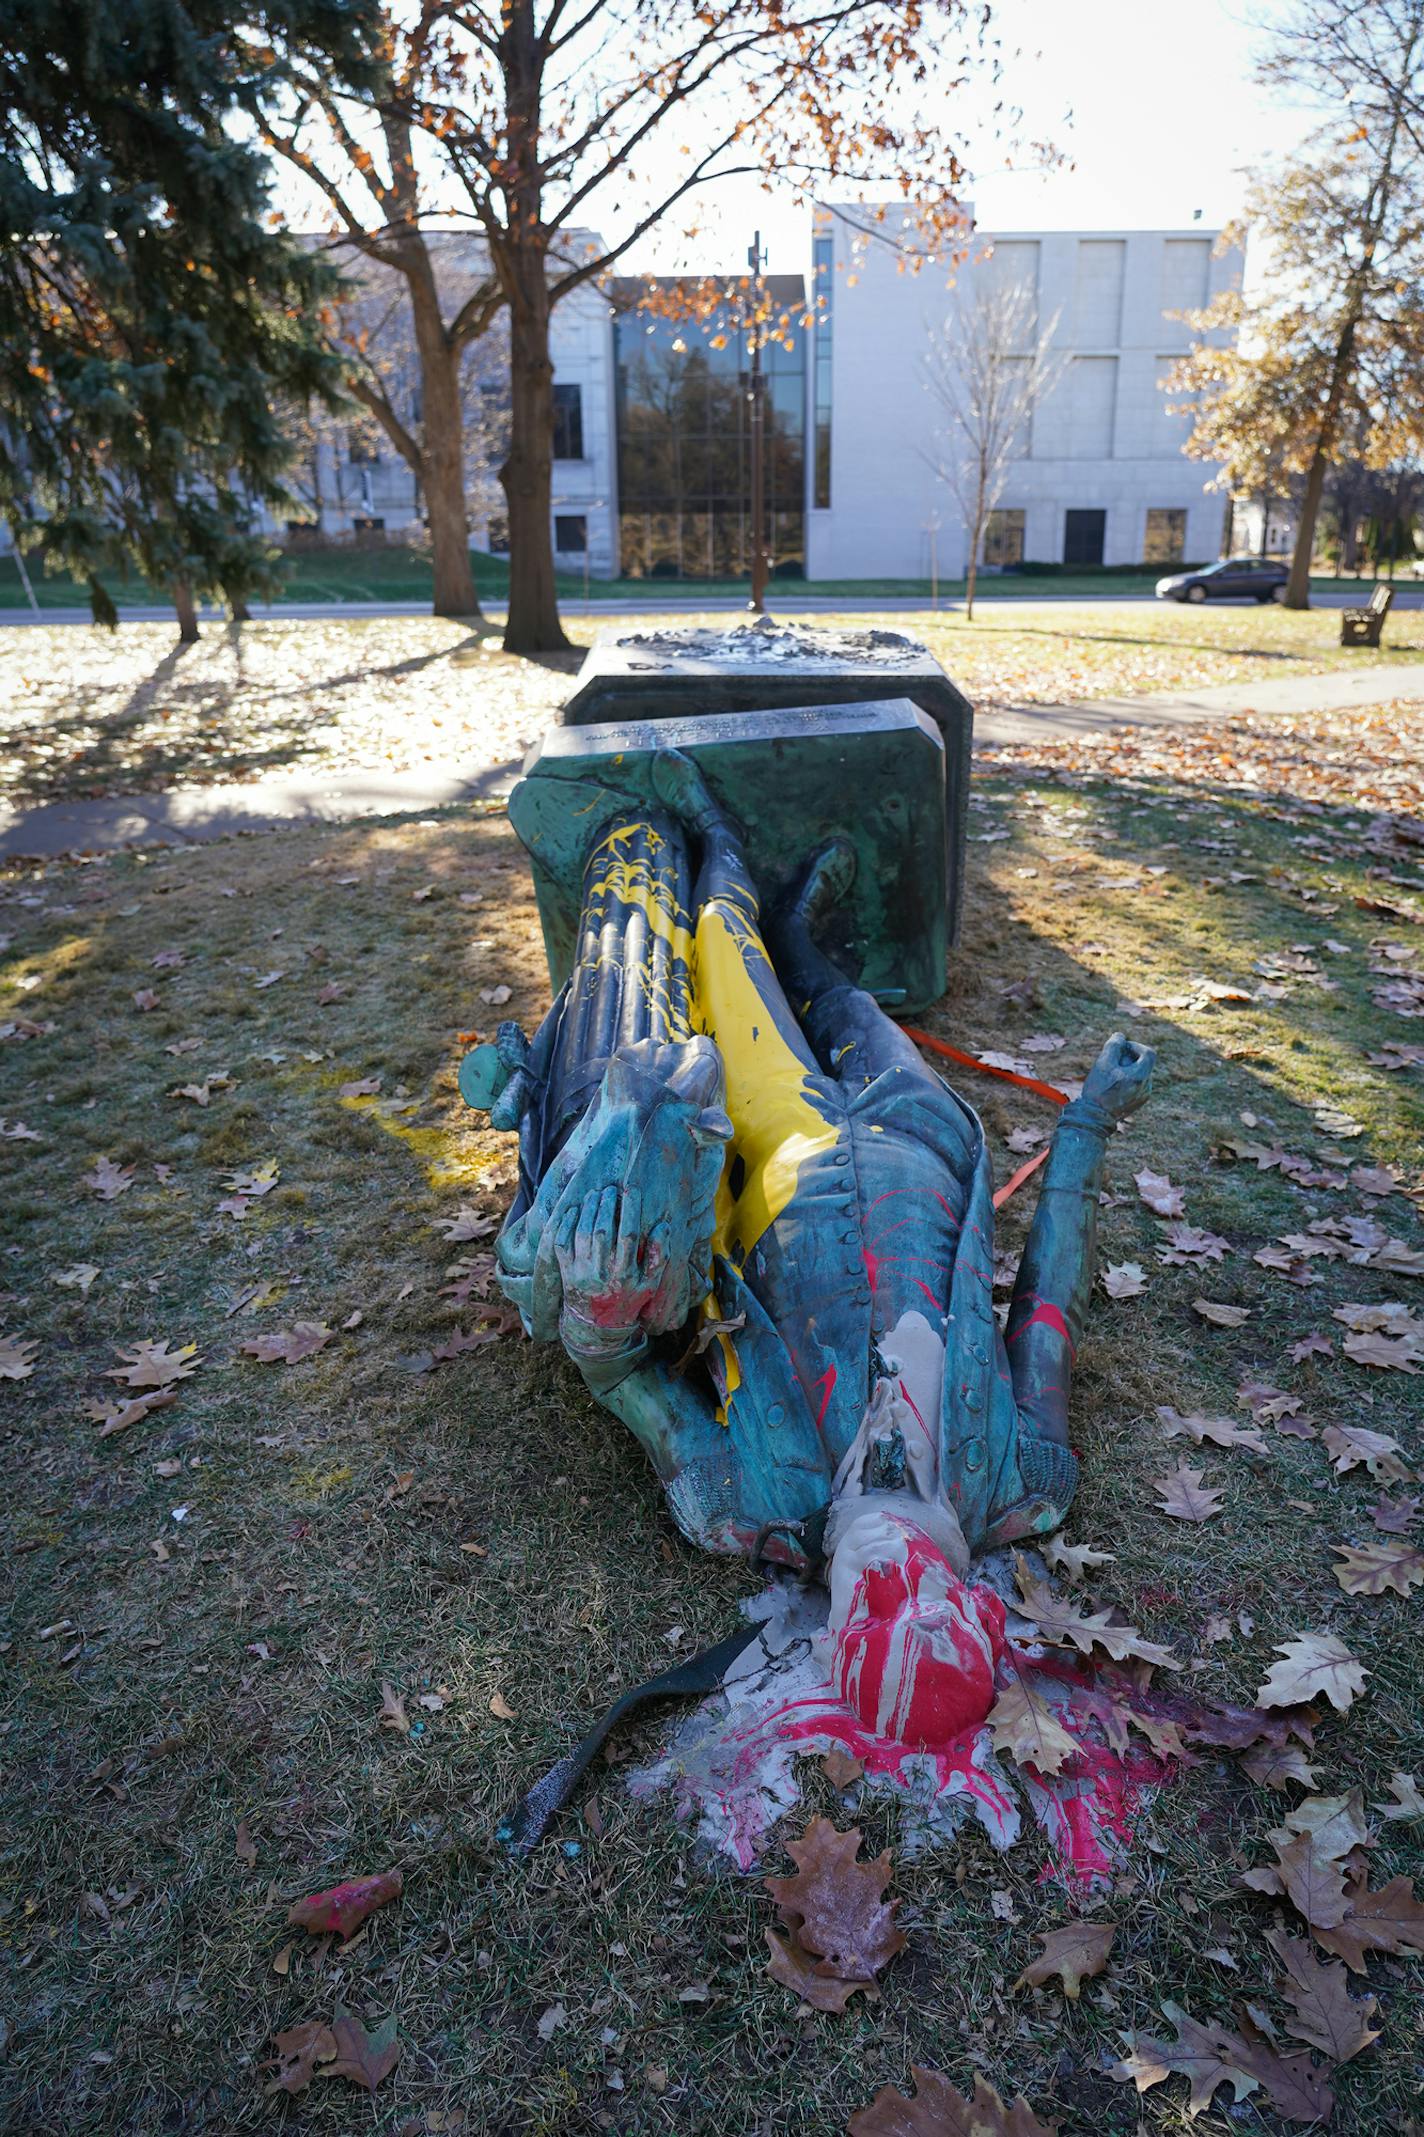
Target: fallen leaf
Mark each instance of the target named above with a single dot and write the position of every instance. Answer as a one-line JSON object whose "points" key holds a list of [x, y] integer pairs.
{"points": [[299, 2050], [1315, 1665], [1408, 1802], [342, 1909], [109, 1180], [840, 1769], [1389, 1920], [796, 1968], [254, 1180], [1023, 1724], [1351, 1445], [15, 1131], [114, 1417], [154, 1365], [1063, 1624], [1221, 1431], [938, 2109], [200, 1093], [1311, 1846], [1159, 1194], [1125, 1280], [78, 1278], [1075, 1954], [1210, 2056], [1326, 2017], [393, 1714], [1220, 1316], [363, 2057], [1185, 1497], [495, 996], [1390, 1353], [361, 1087], [467, 1224], [1188, 1246], [1371, 1568], [17, 1357], [330, 991], [168, 961], [1311, 1346], [1074, 1559], [288, 1346], [549, 2021], [1274, 1765], [145, 999], [500, 1708], [245, 1847], [834, 1907]]}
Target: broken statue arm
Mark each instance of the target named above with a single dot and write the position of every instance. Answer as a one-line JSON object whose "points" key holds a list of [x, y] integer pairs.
{"points": [[1055, 1277]]}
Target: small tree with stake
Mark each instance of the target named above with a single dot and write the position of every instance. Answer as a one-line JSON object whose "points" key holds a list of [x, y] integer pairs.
{"points": [[986, 372], [152, 321]]}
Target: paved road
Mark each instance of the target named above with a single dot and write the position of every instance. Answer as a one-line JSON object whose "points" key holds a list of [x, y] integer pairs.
{"points": [[186, 815], [675, 604]]}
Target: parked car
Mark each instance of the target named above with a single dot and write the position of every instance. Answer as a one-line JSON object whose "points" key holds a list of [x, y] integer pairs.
{"points": [[1233, 579]]}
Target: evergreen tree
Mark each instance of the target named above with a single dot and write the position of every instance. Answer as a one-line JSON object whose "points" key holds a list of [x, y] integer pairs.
{"points": [[153, 318]]}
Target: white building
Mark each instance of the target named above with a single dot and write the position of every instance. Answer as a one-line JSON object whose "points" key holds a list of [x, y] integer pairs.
{"points": [[1102, 477]]}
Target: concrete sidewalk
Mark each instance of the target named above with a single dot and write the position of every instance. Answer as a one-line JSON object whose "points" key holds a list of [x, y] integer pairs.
{"points": [[187, 815]]}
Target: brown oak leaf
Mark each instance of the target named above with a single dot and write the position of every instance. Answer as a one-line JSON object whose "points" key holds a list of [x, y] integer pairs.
{"points": [[1276, 1765], [365, 2057], [342, 1909], [938, 2109], [1389, 1920], [1159, 1194], [17, 1357], [1350, 1445], [114, 1417], [835, 1906], [154, 1365], [796, 1969], [108, 1179], [1022, 1723], [299, 2050], [1395, 1516], [1074, 1953], [1219, 1314], [288, 1346], [1062, 1624], [1125, 1279], [1326, 2016], [1316, 1665], [1074, 1559], [1210, 2056], [1370, 1568], [1221, 1431], [1186, 1497]]}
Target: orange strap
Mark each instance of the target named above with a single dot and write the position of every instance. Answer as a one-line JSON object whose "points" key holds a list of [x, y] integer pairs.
{"points": [[986, 1068]]}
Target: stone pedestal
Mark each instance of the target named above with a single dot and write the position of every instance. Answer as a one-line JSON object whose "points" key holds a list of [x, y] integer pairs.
{"points": [[792, 778], [758, 667]]}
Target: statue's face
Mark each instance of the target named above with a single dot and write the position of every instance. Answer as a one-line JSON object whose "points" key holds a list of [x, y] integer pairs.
{"points": [[913, 1647]]}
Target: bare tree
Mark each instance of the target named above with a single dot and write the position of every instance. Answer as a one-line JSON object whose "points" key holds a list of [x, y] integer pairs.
{"points": [[528, 121], [987, 371]]}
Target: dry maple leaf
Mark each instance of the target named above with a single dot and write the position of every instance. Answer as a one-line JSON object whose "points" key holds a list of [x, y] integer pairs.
{"points": [[1316, 1665], [1159, 1194], [393, 1714], [1188, 1246], [1351, 1445], [1062, 1624], [108, 1179], [939, 2109], [1326, 2017], [154, 1365], [1075, 1954], [17, 1357], [1185, 1497], [840, 1769], [1074, 1559], [1219, 1314], [1371, 1568], [1125, 1280], [834, 1906], [342, 1909], [1023, 1724], [288, 1346], [1221, 1431]]}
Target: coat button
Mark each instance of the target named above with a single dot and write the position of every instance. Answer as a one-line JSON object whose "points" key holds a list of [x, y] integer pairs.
{"points": [[974, 1454], [775, 1415]]}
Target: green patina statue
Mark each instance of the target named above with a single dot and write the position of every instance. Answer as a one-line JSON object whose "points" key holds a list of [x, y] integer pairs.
{"points": [[762, 1228]]}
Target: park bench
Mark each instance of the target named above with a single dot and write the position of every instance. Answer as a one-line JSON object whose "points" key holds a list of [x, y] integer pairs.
{"points": [[1362, 626]]}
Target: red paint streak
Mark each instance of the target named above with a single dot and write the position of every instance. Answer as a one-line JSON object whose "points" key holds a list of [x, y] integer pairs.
{"points": [[950, 1211], [914, 1407], [828, 1382], [933, 1296], [872, 1268], [1049, 1315]]}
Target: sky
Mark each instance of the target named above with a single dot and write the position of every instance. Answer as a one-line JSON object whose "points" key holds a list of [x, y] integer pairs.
{"points": [[1151, 101]]}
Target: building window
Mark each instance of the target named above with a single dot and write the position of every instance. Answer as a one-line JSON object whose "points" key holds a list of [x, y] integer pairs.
{"points": [[1004, 538], [1083, 534], [570, 533], [568, 422], [1166, 538], [823, 266]]}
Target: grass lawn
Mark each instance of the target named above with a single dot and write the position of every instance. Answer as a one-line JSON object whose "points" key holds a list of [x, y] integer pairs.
{"points": [[208, 1601], [84, 712]]}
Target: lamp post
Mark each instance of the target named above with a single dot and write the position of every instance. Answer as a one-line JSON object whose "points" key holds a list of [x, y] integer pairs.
{"points": [[756, 397]]}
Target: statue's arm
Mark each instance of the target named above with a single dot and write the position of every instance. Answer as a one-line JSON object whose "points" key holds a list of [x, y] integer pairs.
{"points": [[1055, 1278]]}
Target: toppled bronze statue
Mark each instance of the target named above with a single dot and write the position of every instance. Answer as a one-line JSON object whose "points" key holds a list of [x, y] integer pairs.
{"points": [[762, 1228]]}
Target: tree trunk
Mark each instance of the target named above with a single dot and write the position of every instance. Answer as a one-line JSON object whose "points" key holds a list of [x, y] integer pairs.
{"points": [[442, 468], [528, 471], [1297, 594], [238, 608], [187, 611], [970, 580]]}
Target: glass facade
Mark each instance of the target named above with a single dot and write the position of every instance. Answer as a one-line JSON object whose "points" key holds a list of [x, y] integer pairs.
{"points": [[684, 446], [823, 267]]}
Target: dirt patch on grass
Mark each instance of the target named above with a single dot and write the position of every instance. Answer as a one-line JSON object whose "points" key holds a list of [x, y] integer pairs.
{"points": [[478, 1528]]}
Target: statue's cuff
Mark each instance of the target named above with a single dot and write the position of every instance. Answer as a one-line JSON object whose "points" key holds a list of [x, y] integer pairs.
{"points": [[1087, 1113], [584, 1338]]}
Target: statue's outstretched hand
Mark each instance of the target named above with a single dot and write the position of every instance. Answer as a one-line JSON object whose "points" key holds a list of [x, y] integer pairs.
{"points": [[1119, 1080]]}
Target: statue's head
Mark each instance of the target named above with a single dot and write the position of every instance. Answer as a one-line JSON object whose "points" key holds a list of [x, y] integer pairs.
{"points": [[913, 1647], [657, 1132]]}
